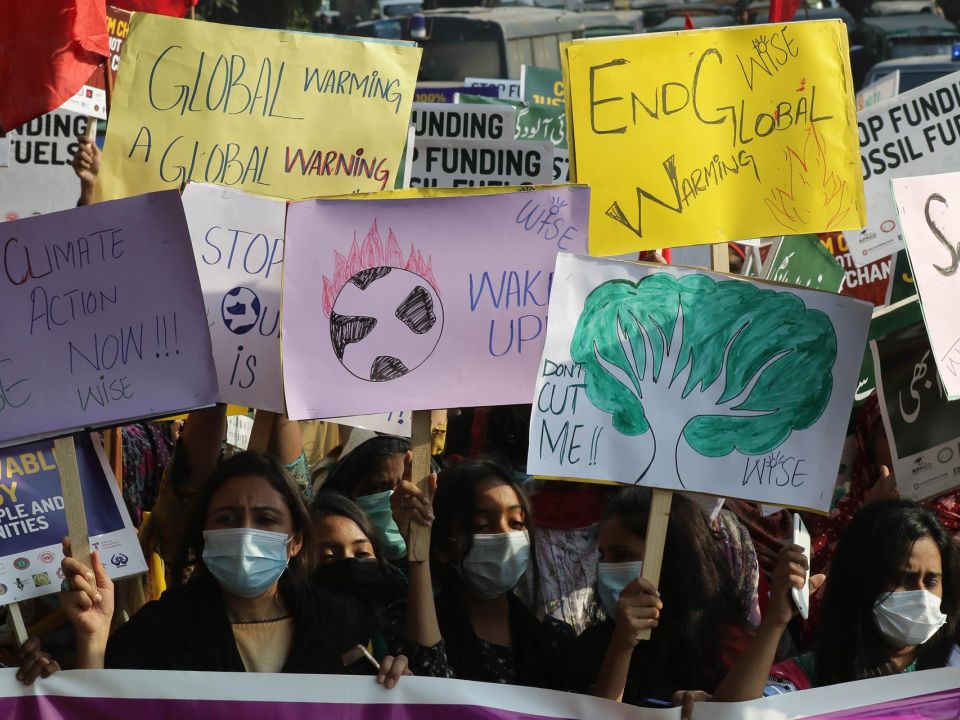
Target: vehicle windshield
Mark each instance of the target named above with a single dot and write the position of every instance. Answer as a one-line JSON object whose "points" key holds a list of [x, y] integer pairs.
{"points": [[914, 79], [456, 58], [914, 46]]}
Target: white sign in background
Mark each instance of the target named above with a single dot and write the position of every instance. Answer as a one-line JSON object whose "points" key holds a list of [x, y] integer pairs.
{"points": [[238, 247], [570, 436], [928, 209], [915, 133]]}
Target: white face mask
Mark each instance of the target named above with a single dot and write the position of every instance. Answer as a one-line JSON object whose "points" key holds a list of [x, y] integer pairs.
{"points": [[496, 563], [908, 618]]}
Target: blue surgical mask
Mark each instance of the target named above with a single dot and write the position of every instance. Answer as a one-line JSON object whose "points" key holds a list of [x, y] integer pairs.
{"points": [[612, 578], [246, 562], [495, 563], [377, 507]]}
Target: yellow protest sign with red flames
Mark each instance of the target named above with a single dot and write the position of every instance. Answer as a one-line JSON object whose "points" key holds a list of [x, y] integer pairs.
{"points": [[714, 135]]}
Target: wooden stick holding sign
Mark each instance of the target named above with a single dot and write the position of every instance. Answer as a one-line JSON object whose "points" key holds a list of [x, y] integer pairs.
{"points": [[420, 440], [659, 518], [15, 623], [65, 452]]}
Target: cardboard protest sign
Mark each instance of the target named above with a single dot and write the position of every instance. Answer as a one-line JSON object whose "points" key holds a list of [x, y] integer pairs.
{"points": [[421, 304], [541, 86], [689, 380], [33, 521], [238, 248], [714, 135], [454, 163], [922, 426], [883, 89], [118, 26], [803, 261], [506, 89], [284, 114], [91, 99], [37, 177], [467, 122], [536, 122], [902, 285], [913, 134], [393, 423], [105, 318], [924, 205]]}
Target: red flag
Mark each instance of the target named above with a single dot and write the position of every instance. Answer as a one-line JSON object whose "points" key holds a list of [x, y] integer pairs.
{"points": [[687, 23], [47, 52], [783, 10], [173, 8]]}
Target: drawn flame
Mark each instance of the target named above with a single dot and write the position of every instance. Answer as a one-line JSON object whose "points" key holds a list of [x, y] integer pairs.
{"points": [[371, 254], [810, 172]]}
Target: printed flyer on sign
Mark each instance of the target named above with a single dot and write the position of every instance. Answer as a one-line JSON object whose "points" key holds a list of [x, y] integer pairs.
{"points": [[33, 522], [922, 425]]}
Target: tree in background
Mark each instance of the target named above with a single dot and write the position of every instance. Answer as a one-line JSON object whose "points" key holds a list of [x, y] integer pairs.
{"points": [[272, 14]]}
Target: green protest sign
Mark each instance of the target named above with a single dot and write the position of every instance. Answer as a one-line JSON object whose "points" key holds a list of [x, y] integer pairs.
{"points": [[802, 260], [541, 86], [885, 321], [902, 285]]}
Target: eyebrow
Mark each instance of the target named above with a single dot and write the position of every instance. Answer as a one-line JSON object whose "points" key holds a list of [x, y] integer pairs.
{"points": [[237, 508], [492, 510]]}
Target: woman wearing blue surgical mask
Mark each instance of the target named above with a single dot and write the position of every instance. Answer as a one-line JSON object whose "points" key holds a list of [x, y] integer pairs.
{"points": [[247, 606], [699, 623], [890, 607], [481, 543], [368, 476]]}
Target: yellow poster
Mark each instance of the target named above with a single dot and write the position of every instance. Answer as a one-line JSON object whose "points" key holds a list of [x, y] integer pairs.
{"points": [[284, 114], [714, 135]]}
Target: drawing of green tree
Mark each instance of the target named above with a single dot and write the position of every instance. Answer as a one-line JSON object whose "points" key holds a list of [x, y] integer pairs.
{"points": [[722, 365]]}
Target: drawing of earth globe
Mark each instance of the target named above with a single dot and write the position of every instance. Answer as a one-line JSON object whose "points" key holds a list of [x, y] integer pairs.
{"points": [[385, 323], [240, 310]]}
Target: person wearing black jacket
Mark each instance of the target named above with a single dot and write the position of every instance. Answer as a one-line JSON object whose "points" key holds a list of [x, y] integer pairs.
{"points": [[249, 604]]}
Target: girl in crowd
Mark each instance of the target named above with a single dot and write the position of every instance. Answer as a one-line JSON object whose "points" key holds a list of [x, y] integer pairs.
{"points": [[350, 561], [890, 606], [246, 606], [481, 543], [701, 623], [369, 475]]}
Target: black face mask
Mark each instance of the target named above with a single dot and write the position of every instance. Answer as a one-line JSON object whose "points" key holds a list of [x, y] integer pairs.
{"points": [[357, 577]]}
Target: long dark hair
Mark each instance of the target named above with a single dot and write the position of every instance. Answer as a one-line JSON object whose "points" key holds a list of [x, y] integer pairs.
{"points": [[347, 474], [869, 559], [700, 603], [275, 475], [455, 501]]}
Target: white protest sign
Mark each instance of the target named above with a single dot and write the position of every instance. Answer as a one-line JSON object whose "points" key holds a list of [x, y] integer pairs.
{"points": [[928, 207], [915, 133], [883, 89], [506, 89], [37, 177], [239, 428], [469, 122], [690, 380], [454, 163], [394, 423], [922, 426], [238, 247]]}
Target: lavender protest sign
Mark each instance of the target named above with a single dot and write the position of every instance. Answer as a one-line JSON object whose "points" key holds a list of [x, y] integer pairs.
{"points": [[683, 379], [156, 695], [238, 247], [421, 303], [104, 318], [33, 520]]}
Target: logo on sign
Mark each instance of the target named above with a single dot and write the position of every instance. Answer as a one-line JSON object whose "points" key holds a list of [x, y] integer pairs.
{"points": [[887, 226], [3, 589], [21, 563], [920, 466], [41, 579], [47, 557], [119, 560], [945, 455]]}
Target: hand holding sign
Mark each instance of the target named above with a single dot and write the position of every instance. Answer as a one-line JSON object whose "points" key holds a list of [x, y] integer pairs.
{"points": [[791, 572], [88, 600]]}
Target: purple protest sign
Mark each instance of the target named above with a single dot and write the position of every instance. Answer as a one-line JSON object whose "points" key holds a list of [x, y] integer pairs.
{"points": [[426, 302], [103, 318]]}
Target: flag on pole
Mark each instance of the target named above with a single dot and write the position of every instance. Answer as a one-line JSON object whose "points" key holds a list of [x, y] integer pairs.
{"points": [[48, 51], [688, 22]]}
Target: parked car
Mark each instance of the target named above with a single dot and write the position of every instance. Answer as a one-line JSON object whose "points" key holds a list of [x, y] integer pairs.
{"points": [[900, 36], [914, 71]]}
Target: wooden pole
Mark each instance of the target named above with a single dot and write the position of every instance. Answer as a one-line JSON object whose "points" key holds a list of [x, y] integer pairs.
{"points": [[66, 454], [659, 518], [418, 549], [15, 623]]}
